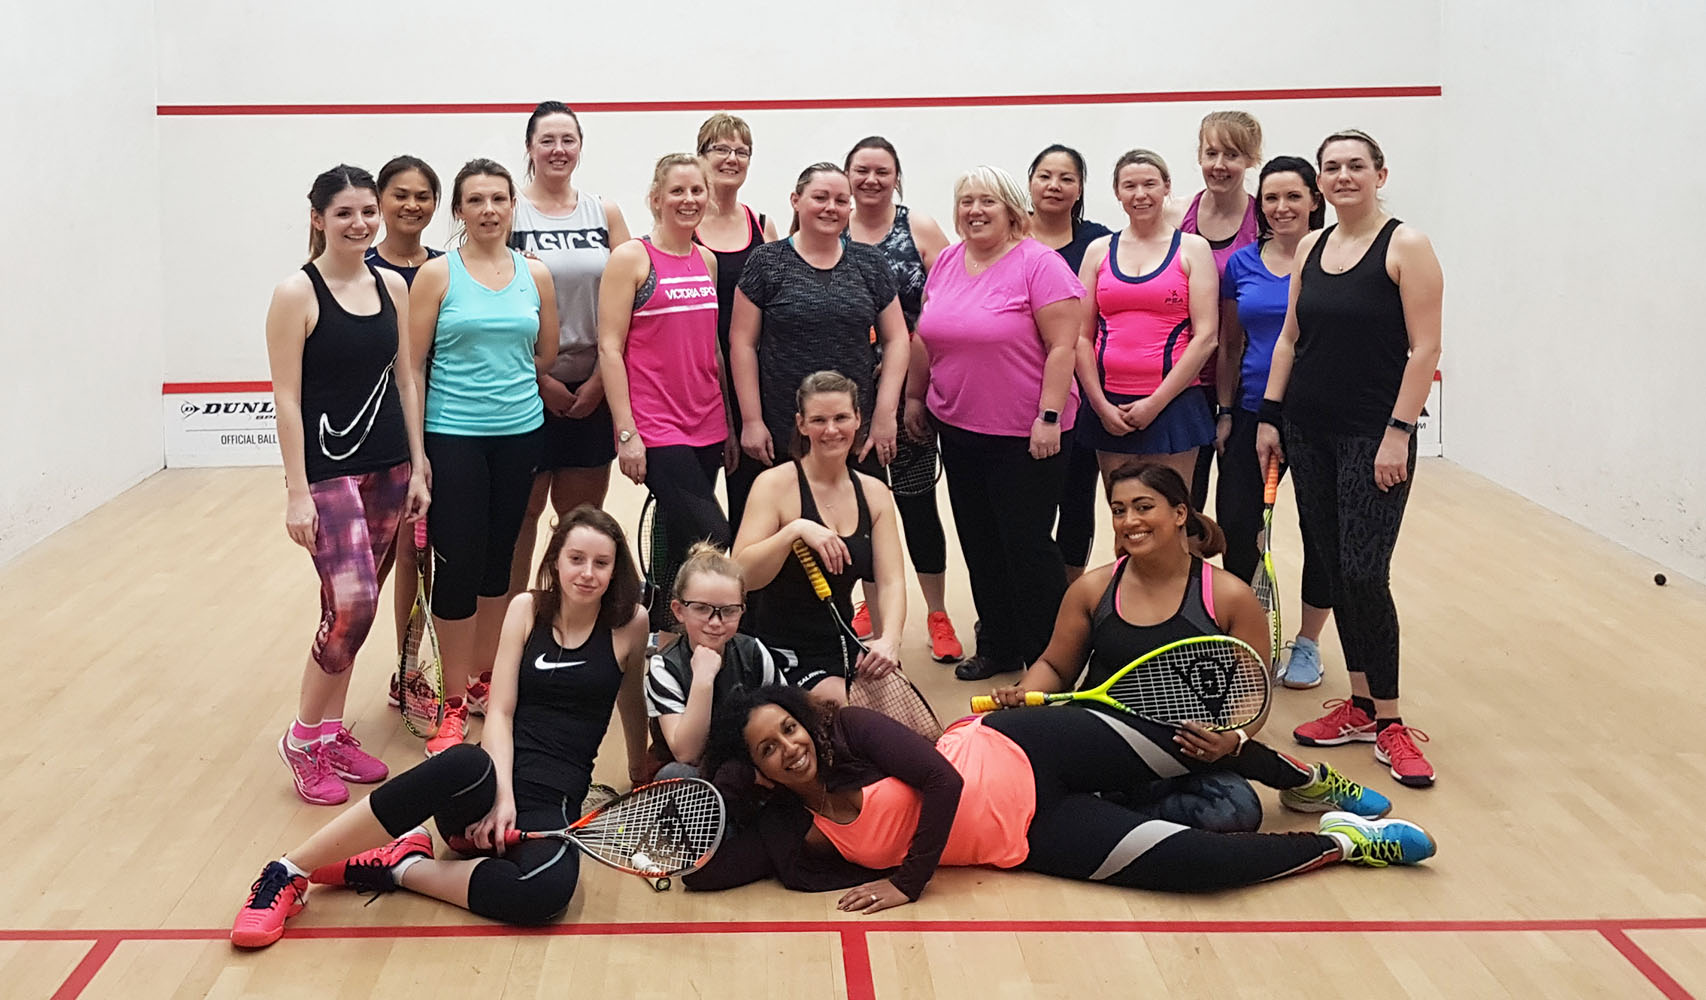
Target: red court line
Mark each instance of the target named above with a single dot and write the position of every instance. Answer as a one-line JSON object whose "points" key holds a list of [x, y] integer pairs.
{"points": [[813, 104], [330, 932], [182, 388], [856, 965], [86, 970], [1638, 957]]}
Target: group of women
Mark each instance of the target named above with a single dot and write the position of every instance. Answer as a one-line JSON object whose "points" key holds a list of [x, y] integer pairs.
{"points": [[468, 388]]}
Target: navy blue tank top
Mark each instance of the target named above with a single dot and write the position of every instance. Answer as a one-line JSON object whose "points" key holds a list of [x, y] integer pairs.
{"points": [[787, 614], [352, 417], [564, 698], [1116, 642]]}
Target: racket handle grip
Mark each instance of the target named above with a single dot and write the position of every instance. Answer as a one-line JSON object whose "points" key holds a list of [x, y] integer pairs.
{"points": [[981, 703], [1270, 490], [462, 845], [420, 535], [803, 552]]}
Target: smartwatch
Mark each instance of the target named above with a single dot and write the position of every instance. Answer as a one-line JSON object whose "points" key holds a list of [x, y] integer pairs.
{"points": [[1407, 428], [1049, 416]]}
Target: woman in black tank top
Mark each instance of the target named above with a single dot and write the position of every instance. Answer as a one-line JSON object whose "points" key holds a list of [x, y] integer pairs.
{"points": [[1350, 374], [569, 651], [349, 432], [848, 520]]}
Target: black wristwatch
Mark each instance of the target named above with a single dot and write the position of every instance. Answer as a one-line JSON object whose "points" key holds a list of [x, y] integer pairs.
{"points": [[1223, 411], [1049, 416], [1407, 428]]}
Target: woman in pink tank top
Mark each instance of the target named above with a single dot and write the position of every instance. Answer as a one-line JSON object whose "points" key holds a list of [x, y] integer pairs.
{"points": [[1152, 324], [657, 351]]}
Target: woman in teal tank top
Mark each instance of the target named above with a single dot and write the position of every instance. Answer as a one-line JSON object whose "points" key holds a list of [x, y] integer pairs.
{"points": [[483, 319]]}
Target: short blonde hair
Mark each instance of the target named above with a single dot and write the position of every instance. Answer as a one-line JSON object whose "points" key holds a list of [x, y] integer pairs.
{"points": [[1238, 129], [1006, 190], [721, 125]]}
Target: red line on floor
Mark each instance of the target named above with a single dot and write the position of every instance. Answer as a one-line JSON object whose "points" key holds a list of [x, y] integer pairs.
{"points": [[328, 932], [1654, 972], [86, 970], [856, 965], [814, 104]]}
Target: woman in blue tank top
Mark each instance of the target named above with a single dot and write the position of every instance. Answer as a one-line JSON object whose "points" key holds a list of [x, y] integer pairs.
{"points": [[1157, 592], [483, 326], [349, 431]]}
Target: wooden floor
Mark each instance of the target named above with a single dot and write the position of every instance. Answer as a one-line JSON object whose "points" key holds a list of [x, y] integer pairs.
{"points": [[155, 652]]}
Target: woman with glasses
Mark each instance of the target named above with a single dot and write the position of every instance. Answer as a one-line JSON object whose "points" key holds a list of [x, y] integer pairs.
{"points": [[686, 682]]}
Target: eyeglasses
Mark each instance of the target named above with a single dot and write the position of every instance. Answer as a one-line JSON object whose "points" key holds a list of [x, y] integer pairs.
{"points": [[738, 152], [720, 612]]}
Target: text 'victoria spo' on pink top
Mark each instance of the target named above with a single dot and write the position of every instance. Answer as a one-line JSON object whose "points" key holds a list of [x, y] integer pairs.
{"points": [[986, 355], [672, 355]]}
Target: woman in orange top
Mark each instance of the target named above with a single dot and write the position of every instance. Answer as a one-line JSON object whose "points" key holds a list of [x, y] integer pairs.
{"points": [[850, 799]]}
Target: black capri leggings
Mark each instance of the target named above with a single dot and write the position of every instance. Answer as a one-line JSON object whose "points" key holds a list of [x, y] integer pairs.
{"points": [[1076, 753], [534, 880], [684, 480], [480, 487], [1075, 533], [1351, 529], [1238, 509]]}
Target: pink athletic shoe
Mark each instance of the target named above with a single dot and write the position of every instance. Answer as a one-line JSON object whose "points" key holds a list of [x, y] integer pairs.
{"points": [[313, 775], [1343, 723], [350, 762]]}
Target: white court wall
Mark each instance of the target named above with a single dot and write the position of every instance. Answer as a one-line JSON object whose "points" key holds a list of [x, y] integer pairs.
{"points": [[80, 278], [234, 186], [1574, 340]]}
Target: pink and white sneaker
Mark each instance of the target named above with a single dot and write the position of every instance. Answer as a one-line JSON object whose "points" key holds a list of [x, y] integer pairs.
{"points": [[312, 774], [350, 762]]}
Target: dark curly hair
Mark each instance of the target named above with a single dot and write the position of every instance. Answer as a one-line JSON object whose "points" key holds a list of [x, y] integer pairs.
{"points": [[727, 742]]}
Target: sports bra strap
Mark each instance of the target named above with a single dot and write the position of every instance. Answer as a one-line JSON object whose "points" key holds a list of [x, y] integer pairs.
{"points": [[1208, 589]]}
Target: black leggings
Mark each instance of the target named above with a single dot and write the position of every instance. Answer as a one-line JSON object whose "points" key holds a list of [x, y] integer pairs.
{"points": [[1076, 753], [684, 480], [1205, 456], [1238, 509], [533, 882], [1004, 505], [1351, 528], [480, 487], [1075, 534]]}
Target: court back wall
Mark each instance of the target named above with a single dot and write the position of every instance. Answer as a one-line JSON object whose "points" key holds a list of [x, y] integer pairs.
{"points": [[80, 280]]}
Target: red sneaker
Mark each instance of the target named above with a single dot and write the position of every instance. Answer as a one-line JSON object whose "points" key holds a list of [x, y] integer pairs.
{"points": [[453, 730], [478, 692], [274, 898], [862, 621], [1343, 723], [370, 871], [944, 644], [1396, 748]]}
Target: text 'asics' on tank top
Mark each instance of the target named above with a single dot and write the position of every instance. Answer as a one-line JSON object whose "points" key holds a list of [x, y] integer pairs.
{"points": [[574, 248]]}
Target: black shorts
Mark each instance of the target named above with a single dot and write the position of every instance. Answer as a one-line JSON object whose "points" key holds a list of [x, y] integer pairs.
{"points": [[587, 443]]}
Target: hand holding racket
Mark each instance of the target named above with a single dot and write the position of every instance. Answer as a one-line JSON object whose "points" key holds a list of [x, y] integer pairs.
{"points": [[825, 546], [659, 830], [1215, 680]]}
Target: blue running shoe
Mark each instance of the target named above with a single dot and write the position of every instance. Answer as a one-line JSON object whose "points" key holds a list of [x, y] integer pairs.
{"points": [[1303, 667], [1331, 790], [1376, 843]]}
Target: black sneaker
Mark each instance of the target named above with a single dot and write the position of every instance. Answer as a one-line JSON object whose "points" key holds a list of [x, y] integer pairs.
{"points": [[981, 668]]}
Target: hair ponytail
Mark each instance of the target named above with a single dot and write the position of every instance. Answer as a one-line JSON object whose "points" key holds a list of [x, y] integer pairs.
{"points": [[1203, 537]]}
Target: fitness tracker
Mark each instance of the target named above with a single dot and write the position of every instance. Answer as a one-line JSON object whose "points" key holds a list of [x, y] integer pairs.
{"points": [[1407, 428], [1049, 416]]}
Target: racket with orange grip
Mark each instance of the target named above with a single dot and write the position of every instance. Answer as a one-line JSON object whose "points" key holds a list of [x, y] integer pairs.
{"points": [[1266, 582]]}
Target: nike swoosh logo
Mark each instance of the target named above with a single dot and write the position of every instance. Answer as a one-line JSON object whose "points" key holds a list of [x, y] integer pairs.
{"points": [[544, 664]]}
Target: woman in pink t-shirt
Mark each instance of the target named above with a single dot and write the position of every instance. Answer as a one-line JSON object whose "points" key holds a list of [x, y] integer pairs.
{"points": [[993, 373], [658, 354]]}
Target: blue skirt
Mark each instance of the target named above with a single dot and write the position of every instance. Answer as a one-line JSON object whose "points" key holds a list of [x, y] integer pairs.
{"points": [[1184, 424]]}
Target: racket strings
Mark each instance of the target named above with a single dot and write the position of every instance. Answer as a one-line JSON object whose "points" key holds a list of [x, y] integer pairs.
{"points": [[896, 697], [915, 468], [1216, 684], [662, 829]]}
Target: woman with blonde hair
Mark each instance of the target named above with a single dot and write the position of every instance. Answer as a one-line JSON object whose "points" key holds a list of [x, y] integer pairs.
{"points": [[993, 378], [657, 346]]}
